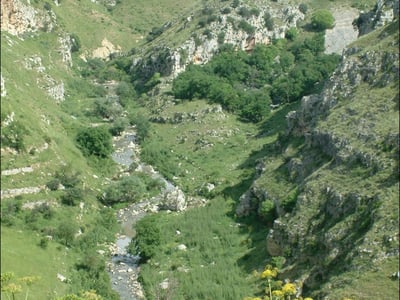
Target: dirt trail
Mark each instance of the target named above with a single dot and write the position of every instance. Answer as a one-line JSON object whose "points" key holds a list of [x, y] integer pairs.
{"points": [[343, 33]]}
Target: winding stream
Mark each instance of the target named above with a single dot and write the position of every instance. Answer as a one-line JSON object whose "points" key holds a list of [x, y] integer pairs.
{"points": [[123, 268]]}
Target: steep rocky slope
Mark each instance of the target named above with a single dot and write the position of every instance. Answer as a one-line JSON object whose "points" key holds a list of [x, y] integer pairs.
{"points": [[335, 186]]}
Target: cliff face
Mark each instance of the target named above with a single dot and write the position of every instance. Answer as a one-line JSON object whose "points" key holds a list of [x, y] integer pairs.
{"points": [[18, 18], [345, 172]]}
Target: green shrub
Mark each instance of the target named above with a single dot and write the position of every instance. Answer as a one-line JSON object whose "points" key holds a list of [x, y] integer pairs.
{"points": [[65, 232], [75, 42], [67, 177], [13, 136], [72, 196], [291, 34], [249, 29], [267, 210], [322, 19], [148, 237], [268, 21], [142, 126], [127, 189], [53, 184], [303, 8], [106, 108], [95, 141], [118, 126]]}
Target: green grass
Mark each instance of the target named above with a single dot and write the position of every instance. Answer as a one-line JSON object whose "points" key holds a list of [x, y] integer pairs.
{"points": [[21, 255], [213, 266]]}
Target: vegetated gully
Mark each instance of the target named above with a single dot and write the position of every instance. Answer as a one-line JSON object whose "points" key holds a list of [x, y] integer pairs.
{"points": [[123, 267]]}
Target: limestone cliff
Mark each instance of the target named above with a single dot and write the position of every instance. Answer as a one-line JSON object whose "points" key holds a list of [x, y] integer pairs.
{"points": [[344, 173], [18, 18]]}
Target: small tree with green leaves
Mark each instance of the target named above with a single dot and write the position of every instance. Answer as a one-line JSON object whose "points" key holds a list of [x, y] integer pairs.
{"points": [[322, 19], [95, 141]]}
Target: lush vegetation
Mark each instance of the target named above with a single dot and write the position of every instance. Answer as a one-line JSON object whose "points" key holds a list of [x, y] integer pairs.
{"points": [[206, 252], [248, 84]]}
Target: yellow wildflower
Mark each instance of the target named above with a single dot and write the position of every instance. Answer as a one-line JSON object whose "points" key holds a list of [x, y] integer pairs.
{"points": [[278, 293], [308, 298], [289, 289], [269, 272]]}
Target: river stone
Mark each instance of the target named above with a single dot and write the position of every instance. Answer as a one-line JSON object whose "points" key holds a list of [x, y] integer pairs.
{"points": [[174, 200]]}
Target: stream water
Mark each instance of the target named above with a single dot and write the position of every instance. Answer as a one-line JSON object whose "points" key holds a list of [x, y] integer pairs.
{"points": [[123, 268]]}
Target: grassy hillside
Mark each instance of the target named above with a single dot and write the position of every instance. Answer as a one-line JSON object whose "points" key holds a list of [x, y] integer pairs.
{"points": [[210, 153]]}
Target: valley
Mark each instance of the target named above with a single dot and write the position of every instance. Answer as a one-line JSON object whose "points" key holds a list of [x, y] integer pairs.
{"points": [[237, 149]]}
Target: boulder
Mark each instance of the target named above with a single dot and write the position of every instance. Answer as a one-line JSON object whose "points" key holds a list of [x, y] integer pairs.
{"points": [[174, 200]]}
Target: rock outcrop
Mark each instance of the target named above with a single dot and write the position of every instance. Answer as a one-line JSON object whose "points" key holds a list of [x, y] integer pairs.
{"points": [[173, 200], [106, 49], [18, 18], [337, 214]]}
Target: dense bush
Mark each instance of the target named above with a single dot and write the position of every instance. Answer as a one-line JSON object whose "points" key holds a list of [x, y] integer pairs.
{"points": [[322, 19], [246, 85], [67, 177], [13, 136], [95, 141], [128, 189], [106, 108], [75, 42], [118, 126], [303, 8], [142, 126], [72, 196], [268, 21], [148, 237]]}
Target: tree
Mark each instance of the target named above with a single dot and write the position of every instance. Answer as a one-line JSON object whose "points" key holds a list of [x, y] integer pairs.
{"points": [[95, 141], [148, 237], [322, 19], [66, 232], [128, 189]]}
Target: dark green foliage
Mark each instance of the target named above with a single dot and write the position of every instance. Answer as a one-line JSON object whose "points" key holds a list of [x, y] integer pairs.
{"points": [[268, 21], [255, 106], [66, 232], [127, 189], [95, 141], [12, 136], [290, 70], [255, 11], [142, 126], [322, 19], [47, 6], [303, 8], [221, 38], [246, 27], [235, 3], [266, 210], [53, 184], [244, 12], [90, 275], [291, 34], [72, 196], [75, 42], [226, 10], [67, 177], [125, 90], [289, 203], [148, 237], [106, 108], [118, 126]]}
